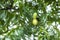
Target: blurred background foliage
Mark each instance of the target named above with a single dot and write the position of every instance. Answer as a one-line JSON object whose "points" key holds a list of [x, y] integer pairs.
{"points": [[16, 20]]}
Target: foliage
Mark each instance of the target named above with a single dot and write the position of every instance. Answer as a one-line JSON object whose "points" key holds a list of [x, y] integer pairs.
{"points": [[16, 18]]}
